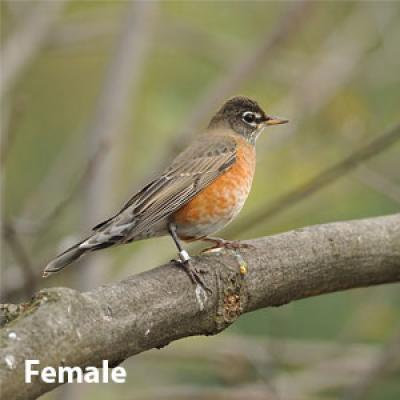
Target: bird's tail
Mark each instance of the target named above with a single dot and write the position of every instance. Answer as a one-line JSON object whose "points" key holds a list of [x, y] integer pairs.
{"points": [[67, 257]]}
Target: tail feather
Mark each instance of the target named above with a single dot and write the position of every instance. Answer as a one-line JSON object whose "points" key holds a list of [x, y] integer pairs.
{"points": [[64, 259]]}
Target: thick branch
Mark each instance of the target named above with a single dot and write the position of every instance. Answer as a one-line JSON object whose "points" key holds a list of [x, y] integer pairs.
{"points": [[63, 326]]}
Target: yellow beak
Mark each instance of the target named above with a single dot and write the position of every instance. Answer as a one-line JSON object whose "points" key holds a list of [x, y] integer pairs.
{"points": [[276, 121]]}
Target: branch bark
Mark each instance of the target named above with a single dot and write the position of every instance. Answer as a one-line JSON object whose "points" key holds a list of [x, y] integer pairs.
{"points": [[61, 326]]}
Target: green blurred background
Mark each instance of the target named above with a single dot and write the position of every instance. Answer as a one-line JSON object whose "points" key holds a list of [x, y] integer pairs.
{"points": [[111, 92]]}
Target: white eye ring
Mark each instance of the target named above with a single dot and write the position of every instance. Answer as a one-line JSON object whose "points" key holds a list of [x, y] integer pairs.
{"points": [[250, 121]]}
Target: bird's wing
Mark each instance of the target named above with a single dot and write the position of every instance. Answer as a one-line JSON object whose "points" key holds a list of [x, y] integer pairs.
{"points": [[208, 157]]}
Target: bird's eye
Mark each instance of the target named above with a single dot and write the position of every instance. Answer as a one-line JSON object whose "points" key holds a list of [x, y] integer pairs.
{"points": [[249, 117]]}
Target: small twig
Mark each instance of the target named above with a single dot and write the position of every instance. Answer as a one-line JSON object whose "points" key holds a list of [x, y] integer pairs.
{"points": [[22, 258], [378, 182], [369, 176], [9, 122], [60, 207]]}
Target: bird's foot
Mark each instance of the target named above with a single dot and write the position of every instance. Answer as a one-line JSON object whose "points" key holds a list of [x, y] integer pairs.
{"points": [[225, 244], [194, 273]]}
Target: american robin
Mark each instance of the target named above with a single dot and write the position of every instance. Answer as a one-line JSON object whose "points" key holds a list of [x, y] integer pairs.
{"points": [[202, 190]]}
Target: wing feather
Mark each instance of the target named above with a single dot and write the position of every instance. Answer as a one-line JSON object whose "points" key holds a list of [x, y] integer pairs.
{"points": [[195, 168]]}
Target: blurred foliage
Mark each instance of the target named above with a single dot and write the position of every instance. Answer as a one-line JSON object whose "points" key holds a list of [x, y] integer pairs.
{"points": [[194, 45]]}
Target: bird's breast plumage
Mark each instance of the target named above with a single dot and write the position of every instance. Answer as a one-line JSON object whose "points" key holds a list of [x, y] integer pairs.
{"points": [[217, 204]]}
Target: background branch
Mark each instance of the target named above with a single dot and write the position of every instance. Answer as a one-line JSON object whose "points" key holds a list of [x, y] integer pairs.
{"points": [[384, 362], [28, 39], [156, 307], [120, 88], [21, 257]]}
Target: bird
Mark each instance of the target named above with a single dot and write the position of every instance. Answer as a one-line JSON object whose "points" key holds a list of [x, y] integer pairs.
{"points": [[199, 193]]}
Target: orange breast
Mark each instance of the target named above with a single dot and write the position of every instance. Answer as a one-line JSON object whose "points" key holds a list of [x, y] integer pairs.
{"points": [[222, 200]]}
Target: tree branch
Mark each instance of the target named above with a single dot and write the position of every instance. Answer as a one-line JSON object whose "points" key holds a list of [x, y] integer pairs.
{"points": [[61, 326]]}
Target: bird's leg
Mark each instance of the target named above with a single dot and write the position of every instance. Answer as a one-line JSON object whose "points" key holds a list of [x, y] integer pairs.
{"points": [[185, 259], [220, 243]]}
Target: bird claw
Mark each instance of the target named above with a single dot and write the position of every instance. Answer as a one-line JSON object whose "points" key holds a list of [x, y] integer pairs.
{"points": [[227, 244], [193, 272]]}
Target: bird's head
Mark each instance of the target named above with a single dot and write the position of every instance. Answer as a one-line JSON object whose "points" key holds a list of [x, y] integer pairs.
{"points": [[245, 117]]}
